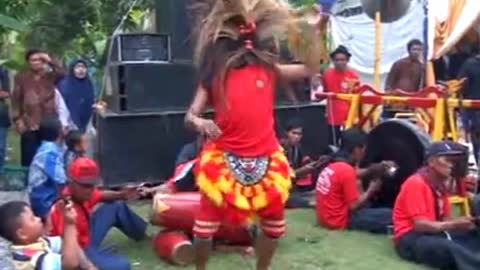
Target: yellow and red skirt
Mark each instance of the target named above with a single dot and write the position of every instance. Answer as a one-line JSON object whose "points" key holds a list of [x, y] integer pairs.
{"points": [[239, 190]]}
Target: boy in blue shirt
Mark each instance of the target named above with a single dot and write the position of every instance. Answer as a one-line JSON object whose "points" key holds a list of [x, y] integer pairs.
{"points": [[46, 175]]}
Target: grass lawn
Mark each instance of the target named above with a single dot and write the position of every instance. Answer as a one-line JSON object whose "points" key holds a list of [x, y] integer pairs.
{"points": [[332, 250]]}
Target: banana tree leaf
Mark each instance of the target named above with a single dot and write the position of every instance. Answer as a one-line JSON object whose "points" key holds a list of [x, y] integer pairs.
{"points": [[12, 23]]}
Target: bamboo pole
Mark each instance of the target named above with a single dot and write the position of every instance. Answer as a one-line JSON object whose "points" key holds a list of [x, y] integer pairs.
{"points": [[378, 49]]}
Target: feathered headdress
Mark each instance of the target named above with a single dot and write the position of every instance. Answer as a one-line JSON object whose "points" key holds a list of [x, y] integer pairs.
{"points": [[253, 22]]}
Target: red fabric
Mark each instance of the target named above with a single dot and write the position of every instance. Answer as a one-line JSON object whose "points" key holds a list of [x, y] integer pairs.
{"points": [[415, 201], [209, 217], [336, 190], [245, 112], [336, 82], [84, 212]]}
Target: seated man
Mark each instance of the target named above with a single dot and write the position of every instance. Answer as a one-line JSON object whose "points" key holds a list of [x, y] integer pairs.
{"points": [[300, 163], [424, 230], [339, 202], [47, 176], [30, 250], [93, 225]]}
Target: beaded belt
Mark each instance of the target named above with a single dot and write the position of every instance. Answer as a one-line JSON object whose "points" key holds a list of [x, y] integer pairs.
{"points": [[248, 171]]}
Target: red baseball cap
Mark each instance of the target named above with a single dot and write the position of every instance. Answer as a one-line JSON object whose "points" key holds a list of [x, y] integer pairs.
{"points": [[84, 171]]}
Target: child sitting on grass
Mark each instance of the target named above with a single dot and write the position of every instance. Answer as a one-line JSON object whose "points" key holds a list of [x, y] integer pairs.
{"points": [[31, 250]]}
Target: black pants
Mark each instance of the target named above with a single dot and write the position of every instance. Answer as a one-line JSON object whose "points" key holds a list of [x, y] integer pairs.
{"points": [[439, 252], [373, 220], [29, 144]]}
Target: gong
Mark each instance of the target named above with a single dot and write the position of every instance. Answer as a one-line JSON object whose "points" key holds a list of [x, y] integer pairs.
{"points": [[390, 10], [399, 141]]}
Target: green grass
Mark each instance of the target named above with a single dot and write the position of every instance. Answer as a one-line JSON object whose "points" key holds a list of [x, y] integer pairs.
{"points": [[333, 251]]}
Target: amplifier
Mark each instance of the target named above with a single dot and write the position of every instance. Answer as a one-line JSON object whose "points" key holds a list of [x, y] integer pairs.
{"points": [[140, 48]]}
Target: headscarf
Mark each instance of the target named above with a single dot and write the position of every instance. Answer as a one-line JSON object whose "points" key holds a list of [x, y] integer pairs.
{"points": [[79, 95]]}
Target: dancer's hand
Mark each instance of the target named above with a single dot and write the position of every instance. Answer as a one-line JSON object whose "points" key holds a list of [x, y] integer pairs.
{"points": [[208, 128]]}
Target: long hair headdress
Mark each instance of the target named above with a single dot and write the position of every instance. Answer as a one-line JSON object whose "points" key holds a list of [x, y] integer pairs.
{"points": [[255, 22]]}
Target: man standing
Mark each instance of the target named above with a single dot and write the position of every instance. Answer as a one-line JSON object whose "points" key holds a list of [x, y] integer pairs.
{"points": [[34, 98], [4, 113], [406, 74], [424, 229], [339, 79]]}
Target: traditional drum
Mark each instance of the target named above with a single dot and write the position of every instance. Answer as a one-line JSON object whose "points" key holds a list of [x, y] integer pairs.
{"points": [[177, 212], [399, 141], [174, 247]]}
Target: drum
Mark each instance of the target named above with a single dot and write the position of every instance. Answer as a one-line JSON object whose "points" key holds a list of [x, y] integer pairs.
{"points": [[177, 212], [402, 142], [174, 247]]}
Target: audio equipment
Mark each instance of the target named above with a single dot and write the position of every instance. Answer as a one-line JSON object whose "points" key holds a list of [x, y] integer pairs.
{"points": [[150, 87], [140, 48]]}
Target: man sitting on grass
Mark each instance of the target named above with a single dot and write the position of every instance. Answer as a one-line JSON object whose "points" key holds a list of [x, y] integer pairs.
{"points": [[94, 224], [424, 230], [46, 175], [31, 250], [340, 205]]}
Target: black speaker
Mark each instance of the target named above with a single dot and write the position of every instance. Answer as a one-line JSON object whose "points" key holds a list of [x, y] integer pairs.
{"points": [[150, 87], [149, 150], [174, 18], [140, 48]]}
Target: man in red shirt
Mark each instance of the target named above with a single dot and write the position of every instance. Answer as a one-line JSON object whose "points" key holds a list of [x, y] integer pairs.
{"points": [[424, 230], [94, 221], [340, 205], [339, 79], [242, 172]]}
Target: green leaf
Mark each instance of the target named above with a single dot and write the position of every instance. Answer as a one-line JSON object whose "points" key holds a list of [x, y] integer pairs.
{"points": [[12, 23]]}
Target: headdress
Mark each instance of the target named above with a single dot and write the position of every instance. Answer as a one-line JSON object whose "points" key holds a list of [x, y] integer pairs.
{"points": [[253, 23]]}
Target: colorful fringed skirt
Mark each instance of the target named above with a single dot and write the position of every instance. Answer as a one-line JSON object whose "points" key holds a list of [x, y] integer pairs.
{"points": [[244, 188]]}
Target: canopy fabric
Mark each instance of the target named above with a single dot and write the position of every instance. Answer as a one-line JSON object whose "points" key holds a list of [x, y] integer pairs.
{"points": [[452, 20]]}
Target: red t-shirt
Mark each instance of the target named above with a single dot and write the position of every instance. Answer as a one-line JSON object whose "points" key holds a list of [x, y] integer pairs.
{"points": [[338, 82], [246, 112], [336, 190], [84, 212], [416, 200]]}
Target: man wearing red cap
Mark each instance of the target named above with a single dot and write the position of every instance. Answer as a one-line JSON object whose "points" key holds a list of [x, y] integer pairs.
{"points": [[93, 225]]}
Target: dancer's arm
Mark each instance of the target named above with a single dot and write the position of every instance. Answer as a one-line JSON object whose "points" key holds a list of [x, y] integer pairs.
{"points": [[295, 72], [193, 117]]}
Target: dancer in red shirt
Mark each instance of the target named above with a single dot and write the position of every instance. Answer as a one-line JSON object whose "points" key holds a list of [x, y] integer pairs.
{"points": [[242, 172]]}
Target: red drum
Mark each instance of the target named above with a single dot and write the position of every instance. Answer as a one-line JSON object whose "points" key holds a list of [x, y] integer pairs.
{"points": [[174, 247], [177, 212]]}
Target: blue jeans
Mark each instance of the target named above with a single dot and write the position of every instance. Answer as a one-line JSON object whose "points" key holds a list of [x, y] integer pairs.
{"points": [[374, 220], [109, 215], [3, 145]]}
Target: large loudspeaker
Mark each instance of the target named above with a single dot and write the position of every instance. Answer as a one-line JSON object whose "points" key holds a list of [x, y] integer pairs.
{"points": [[150, 87], [174, 19], [140, 48], [140, 147]]}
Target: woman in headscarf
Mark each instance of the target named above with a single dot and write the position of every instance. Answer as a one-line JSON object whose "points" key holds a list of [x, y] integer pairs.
{"points": [[79, 94]]}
